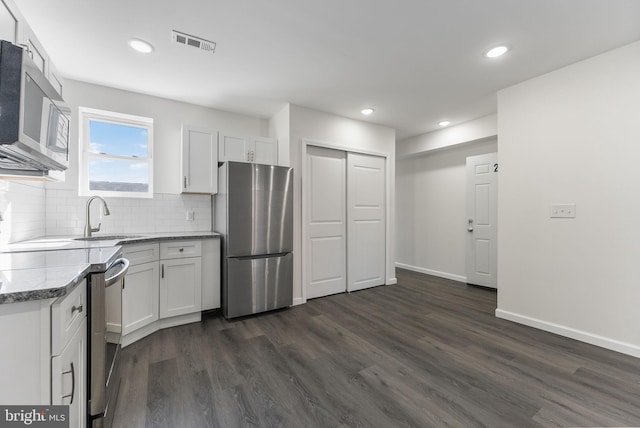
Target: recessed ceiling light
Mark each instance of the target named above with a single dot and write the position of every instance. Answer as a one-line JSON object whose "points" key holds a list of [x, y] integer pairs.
{"points": [[497, 51], [140, 46], [367, 111], [445, 123]]}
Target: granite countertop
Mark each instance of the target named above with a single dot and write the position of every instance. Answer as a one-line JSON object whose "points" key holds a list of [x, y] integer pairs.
{"points": [[49, 243], [38, 275], [51, 266]]}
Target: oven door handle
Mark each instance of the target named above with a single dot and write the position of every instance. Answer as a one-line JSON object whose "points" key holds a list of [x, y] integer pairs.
{"points": [[117, 277]]}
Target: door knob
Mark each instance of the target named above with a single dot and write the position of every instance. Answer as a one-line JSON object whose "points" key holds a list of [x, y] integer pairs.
{"points": [[470, 227]]}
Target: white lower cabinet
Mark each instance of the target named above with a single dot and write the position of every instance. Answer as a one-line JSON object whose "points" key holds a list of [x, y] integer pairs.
{"points": [[180, 286], [168, 284], [69, 354], [47, 365], [140, 295], [68, 377], [180, 278]]}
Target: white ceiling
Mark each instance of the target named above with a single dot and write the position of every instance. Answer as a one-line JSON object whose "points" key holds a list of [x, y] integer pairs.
{"points": [[416, 62]]}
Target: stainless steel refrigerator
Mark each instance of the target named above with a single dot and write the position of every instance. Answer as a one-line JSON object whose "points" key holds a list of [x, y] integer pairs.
{"points": [[254, 215]]}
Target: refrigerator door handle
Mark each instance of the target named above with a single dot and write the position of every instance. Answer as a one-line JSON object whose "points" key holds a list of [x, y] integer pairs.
{"points": [[261, 256]]}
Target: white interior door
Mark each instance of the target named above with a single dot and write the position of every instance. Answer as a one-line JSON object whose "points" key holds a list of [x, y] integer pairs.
{"points": [[326, 246], [482, 230], [365, 221]]}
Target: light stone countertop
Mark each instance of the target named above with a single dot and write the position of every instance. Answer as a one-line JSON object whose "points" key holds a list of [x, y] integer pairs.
{"points": [[22, 285], [51, 266], [49, 243]]}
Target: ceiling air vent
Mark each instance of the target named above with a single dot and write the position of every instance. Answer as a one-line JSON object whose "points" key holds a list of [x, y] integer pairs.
{"points": [[196, 42]]}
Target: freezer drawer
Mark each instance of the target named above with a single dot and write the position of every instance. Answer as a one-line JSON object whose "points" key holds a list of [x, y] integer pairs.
{"points": [[257, 284]]}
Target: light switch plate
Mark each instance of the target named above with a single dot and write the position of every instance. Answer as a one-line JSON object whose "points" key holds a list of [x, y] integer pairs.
{"points": [[191, 215], [563, 210]]}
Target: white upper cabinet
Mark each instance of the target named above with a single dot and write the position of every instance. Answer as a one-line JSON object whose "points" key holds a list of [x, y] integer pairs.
{"points": [[55, 78], [8, 22], [14, 28], [199, 160], [232, 148], [29, 41], [248, 149], [265, 150]]}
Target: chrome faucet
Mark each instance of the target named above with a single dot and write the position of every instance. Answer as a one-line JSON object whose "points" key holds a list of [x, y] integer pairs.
{"points": [[87, 227]]}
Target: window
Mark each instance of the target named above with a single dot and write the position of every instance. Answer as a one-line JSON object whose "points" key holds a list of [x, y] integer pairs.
{"points": [[115, 154]]}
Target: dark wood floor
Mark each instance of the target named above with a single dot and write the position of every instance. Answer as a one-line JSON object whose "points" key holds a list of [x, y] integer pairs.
{"points": [[427, 352]]}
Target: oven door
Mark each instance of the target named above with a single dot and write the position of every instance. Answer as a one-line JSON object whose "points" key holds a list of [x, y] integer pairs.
{"points": [[106, 315]]}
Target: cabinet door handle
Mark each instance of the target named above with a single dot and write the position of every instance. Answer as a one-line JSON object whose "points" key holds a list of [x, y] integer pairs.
{"points": [[76, 308], [181, 249], [162, 273], [73, 383], [28, 49], [123, 281], [185, 181]]}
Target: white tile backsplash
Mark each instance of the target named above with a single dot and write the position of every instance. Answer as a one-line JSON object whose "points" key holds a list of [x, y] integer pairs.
{"points": [[31, 211], [164, 213], [22, 206]]}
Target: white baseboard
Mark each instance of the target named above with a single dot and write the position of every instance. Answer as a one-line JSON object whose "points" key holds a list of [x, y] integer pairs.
{"points": [[298, 301], [392, 281], [446, 275], [583, 336]]}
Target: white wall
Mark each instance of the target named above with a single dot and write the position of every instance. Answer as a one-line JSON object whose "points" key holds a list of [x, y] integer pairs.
{"points": [[484, 128], [307, 124], [22, 207], [431, 210], [168, 116], [167, 210], [573, 136]]}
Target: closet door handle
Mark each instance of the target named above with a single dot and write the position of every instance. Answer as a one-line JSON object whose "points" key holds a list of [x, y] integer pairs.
{"points": [[470, 227], [162, 271]]}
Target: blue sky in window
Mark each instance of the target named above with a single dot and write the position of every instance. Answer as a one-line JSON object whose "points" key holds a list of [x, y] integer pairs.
{"points": [[118, 140], [118, 171]]}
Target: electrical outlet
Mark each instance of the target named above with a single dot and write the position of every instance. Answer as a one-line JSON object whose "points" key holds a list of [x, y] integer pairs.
{"points": [[191, 215], [563, 210]]}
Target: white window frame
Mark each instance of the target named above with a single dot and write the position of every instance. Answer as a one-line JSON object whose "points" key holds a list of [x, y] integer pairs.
{"points": [[85, 115]]}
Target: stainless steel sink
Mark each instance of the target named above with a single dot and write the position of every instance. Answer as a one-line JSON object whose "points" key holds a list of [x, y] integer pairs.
{"points": [[107, 237]]}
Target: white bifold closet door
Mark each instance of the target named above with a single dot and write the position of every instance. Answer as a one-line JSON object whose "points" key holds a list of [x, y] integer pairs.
{"points": [[345, 221]]}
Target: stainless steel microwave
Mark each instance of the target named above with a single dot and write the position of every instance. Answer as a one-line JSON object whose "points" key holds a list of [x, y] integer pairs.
{"points": [[34, 120]]}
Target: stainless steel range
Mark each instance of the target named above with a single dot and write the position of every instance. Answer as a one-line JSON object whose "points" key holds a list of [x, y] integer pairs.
{"points": [[104, 330]]}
